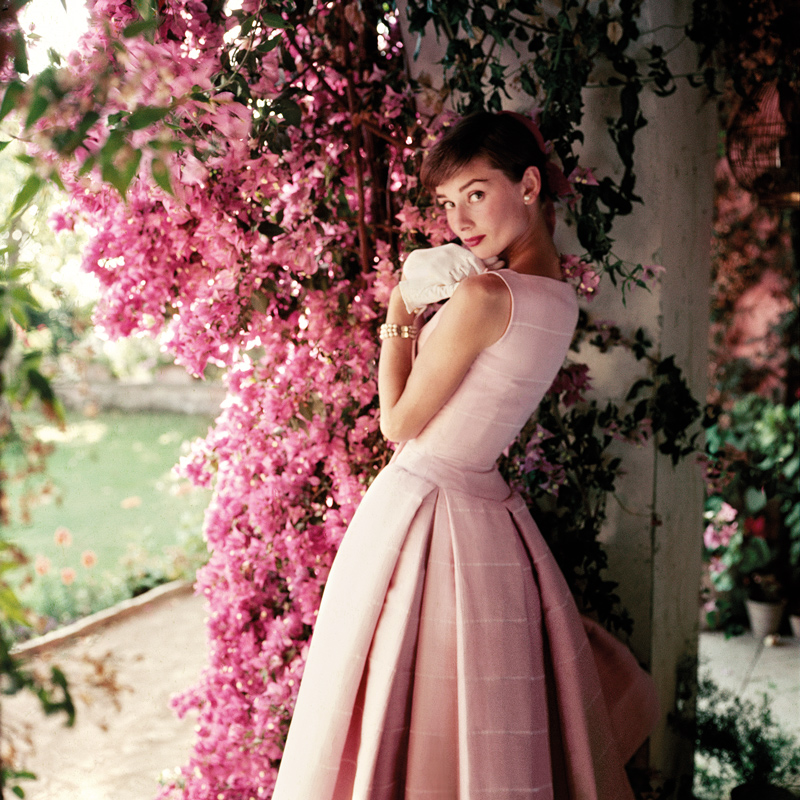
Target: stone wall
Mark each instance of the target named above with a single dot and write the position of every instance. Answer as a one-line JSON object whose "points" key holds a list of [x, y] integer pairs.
{"points": [[171, 389]]}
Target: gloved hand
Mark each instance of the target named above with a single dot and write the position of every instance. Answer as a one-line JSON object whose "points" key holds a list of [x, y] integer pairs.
{"points": [[432, 274]]}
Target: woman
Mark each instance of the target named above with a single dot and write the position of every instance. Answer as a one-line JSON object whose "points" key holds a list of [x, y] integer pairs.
{"points": [[449, 660]]}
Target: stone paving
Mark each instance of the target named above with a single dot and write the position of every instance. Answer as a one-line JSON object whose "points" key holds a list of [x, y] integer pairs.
{"points": [[751, 668], [117, 753], [144, 658]]}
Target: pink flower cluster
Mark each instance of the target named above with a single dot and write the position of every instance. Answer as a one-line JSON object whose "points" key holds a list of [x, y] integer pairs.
{"points": [[271, 259], [572, 383], [721, 529], [291, 314], [581, 274], [552, 475]]}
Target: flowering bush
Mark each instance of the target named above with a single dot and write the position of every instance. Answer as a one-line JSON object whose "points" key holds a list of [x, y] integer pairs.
{"points": [[754, 301]]}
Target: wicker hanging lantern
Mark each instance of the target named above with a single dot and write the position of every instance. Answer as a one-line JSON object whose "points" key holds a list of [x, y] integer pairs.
{"points": [[764, 146]]}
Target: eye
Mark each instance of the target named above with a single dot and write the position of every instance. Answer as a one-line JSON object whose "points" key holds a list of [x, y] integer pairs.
{"points": [[476, 196], [446, 204]]}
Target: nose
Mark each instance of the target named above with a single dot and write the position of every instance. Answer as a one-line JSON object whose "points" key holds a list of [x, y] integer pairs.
{"points": [[460, 220]]}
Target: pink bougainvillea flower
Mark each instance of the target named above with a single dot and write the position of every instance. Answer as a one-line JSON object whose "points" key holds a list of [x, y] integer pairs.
{"points": [[62, 537], [642, 433], [717, 566], [581, 274], [582, 175], [572, 382], [410, 217], [715, 536], [726, 513], [651, 272]]}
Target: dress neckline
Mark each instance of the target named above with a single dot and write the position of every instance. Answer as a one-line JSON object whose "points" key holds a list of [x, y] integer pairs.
{"points": [[508, 270]]}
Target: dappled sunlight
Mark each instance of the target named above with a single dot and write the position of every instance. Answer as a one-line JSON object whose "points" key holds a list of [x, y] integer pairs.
{"points": [[87, 431]]}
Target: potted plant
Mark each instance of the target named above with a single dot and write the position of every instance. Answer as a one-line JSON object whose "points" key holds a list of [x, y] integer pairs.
{"points": [[794, 623], [752, 539], [765, 603], [739, 747], [733, 555]]}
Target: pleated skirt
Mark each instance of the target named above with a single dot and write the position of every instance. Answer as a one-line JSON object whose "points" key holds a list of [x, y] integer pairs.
{"points": [[449, 661]]}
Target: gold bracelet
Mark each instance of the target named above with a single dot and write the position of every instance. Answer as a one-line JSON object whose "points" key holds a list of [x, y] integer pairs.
{"points": [[389, 330]]}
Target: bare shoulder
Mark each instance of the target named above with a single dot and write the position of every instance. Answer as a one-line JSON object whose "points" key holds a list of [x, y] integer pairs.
{"points": [[484, 303], [486, 294]]}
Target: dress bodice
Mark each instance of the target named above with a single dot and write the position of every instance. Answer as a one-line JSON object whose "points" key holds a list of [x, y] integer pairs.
{"points": [[507, 380]]}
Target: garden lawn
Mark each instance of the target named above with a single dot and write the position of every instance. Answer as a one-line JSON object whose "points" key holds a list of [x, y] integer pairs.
{"points": [[115, 497]]}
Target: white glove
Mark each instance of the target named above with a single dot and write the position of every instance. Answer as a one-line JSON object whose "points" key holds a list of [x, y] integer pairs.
{"points": [[432, 274]]}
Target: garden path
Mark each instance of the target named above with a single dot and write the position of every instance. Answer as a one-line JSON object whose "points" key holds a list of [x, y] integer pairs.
{"points": [[118, 754]]}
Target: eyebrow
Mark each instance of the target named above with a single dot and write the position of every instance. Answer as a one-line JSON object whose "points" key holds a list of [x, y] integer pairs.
{"points": [[466, 185]]}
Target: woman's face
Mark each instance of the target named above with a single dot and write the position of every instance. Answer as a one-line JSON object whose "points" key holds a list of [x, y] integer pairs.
{"points": [[487, 210]]}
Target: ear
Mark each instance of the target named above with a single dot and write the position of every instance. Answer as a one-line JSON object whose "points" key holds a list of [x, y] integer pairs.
{"points": [[531, 183]]}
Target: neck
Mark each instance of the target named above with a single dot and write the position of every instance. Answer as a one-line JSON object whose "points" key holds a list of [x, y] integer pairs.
{"points": [[535, 254]]}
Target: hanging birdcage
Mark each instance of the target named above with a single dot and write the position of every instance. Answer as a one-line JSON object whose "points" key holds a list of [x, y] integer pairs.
{"points": [[763, 145]]}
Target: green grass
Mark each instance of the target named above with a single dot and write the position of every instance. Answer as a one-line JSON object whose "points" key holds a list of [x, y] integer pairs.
{"points": [[113, 492]]}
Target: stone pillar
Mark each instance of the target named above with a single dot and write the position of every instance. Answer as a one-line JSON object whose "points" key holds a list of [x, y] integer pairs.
{"points": [[654, 536], [654, 531]]}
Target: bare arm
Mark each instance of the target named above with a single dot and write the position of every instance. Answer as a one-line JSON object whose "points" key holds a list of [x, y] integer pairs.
{"points": [[474, 318]]}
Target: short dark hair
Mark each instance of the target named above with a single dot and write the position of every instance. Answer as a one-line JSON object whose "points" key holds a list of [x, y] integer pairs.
{"points": [[505, 142]]}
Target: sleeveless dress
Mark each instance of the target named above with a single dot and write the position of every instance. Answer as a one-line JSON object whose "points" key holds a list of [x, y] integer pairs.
{"points": [[449, 661]]}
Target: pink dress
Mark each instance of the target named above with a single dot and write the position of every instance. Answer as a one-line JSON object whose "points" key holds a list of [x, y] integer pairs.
{"points": [[449, 661]]}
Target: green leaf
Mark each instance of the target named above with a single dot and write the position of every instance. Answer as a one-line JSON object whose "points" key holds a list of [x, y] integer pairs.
{"points": [[87, 166], [3, 146], [276, 21], [754, 499], [20, 54], [56, 179], [161, 175], [146, 115], [290, 111], [26, 194], [139, 27], [269, 44], [22, 294], [11, 608], [37, 109], [13, 93], [20, 317], [41, 385], [755, 556], [120, 176], [270, 229], [146, 8], [68, 141]]}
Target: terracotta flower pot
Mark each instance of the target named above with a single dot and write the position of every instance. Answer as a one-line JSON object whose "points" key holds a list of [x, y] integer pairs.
{"points": [[765, 618]]}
